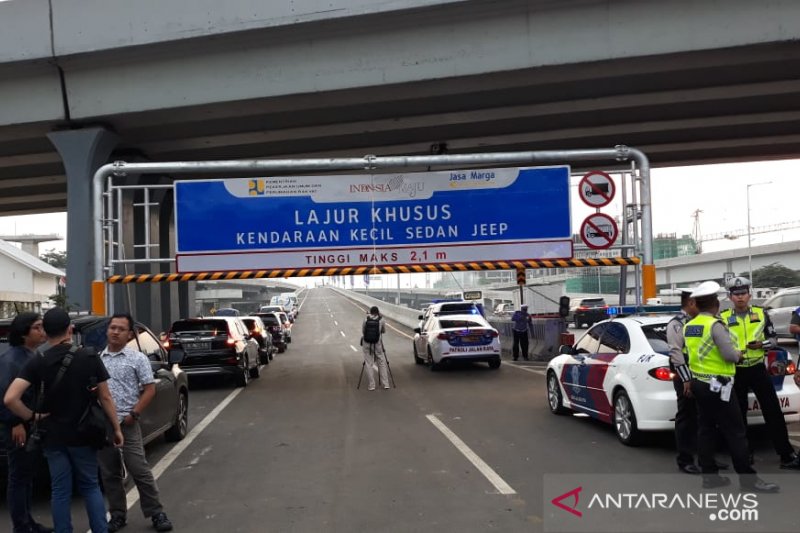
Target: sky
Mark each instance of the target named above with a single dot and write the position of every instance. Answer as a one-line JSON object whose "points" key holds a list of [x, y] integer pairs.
{"points": [[719, 191]]}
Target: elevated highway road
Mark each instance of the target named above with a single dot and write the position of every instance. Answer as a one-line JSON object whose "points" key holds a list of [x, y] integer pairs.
{"points": [[686, 82]]}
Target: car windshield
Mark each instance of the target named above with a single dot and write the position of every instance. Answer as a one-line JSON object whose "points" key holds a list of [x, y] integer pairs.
{"points": [[593, 302], [269, 319], [250, 323], [214, 326], [447, 324], [656, 335]]}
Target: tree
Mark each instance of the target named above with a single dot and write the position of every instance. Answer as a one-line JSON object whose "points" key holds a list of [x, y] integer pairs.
{"points": [[775, 275], [55, 258]]}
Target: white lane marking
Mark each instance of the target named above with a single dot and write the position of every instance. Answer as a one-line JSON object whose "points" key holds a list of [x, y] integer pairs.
{"points": [[501, 486], [169, 458], [354, 348], [335, 323], [342, 332]]}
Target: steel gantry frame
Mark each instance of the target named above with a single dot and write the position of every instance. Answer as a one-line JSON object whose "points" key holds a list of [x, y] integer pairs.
{"points": [[104, 225]]}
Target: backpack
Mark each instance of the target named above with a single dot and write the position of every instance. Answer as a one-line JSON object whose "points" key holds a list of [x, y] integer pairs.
{"points": [[372, 330]]}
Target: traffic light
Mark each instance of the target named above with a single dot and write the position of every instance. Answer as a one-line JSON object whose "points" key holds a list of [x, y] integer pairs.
{"points": [[520, 276], [563, 306]]}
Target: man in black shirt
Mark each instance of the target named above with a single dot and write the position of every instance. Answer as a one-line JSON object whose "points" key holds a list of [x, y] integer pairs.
{"points": [[65, 400]]}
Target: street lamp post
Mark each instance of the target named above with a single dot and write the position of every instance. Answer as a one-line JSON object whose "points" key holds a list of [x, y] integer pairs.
{"points": [[749, 251]]}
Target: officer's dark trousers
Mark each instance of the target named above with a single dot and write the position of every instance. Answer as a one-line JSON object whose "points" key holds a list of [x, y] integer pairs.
{"points": [[755, 378], [715, 416], [685, 426], [520, 343]]}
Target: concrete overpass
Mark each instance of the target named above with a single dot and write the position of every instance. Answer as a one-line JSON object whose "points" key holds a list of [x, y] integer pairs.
{"points": [[685, 81]]}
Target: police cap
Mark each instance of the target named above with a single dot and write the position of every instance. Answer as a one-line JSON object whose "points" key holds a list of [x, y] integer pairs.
{"points": [[738, 285], [707, 288]]}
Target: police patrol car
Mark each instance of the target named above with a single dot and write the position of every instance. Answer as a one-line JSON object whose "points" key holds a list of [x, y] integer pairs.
{"points": [[448, 337], [618, 372]]}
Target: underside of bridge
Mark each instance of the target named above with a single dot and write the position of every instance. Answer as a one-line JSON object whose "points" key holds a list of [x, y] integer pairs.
{"points": [[687, 108]]}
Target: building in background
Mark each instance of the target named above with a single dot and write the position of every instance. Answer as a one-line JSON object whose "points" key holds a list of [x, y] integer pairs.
{"points": [[26, 282]]}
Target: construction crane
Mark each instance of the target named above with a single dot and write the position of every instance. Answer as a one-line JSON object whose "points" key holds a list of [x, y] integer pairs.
{"points": [[696, 233], [733, 235]]}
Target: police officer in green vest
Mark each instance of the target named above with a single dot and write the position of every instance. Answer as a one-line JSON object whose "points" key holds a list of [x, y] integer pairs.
{"points": [[712, 361], [752, 334]]}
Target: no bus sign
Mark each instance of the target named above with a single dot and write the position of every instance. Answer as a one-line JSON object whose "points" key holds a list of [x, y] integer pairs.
{"points": [[599, 231], [596, 189]]}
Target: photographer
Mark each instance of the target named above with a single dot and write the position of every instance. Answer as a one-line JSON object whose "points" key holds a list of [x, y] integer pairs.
{"points": [[372, 331], [25, 335], [66, 396]]}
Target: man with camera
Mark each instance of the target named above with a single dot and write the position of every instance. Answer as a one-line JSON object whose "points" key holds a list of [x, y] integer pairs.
{"points": [[25, 335], [63, 378]]}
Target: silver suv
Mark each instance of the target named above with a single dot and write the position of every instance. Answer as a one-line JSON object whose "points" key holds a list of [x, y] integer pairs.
{"points": [[780, 307]]}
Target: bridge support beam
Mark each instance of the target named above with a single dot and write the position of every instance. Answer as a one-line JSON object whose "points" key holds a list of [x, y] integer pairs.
{"points": [[82, 152]]}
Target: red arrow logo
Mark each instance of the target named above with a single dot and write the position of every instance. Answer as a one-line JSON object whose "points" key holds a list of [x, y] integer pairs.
{"points": [[574, 493]]}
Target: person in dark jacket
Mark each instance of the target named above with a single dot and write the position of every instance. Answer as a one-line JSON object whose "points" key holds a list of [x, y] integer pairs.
{"points": [[521, 322], [25, 336]]}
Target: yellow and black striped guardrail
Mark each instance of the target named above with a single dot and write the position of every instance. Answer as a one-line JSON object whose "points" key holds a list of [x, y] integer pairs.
{"points": [[401, 269]]}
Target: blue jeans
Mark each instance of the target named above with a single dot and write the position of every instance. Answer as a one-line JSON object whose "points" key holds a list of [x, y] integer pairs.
{"points": [[80, 462], [21, 469]]}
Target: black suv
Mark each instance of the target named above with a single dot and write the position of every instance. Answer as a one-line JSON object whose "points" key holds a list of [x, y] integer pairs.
{"points": [[262, 336], [588, 311], [214, 346], [275, 327]]}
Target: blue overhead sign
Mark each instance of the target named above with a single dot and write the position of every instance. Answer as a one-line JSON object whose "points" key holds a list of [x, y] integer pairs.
{"points": [[384, 219]]}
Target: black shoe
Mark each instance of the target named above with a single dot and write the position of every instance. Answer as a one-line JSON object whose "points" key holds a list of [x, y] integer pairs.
{"points": [[713, 481], [116, 523], [762, 486], [722, 466], [752, 459], [39, 528], [161, 522], [689, 469], [791, 463]]}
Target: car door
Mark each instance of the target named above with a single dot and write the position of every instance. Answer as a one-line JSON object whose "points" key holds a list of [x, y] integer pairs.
{"points": [[575, 372], [422, 340], [163, 409]]}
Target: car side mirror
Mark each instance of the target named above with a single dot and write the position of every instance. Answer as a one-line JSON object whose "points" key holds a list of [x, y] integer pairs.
{"points": [[417, 330], [176, 356], [566, 349]]}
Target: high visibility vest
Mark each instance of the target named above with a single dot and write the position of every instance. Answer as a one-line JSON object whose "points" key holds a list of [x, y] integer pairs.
{"points": [[746, 330], [705, 359]]}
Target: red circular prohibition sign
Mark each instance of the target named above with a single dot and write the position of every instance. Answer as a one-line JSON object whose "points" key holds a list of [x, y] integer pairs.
{"points": [[598, 238], [594, 191]]}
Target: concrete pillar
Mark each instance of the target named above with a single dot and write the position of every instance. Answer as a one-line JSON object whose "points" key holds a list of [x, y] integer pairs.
{"points": [[82, 152]]}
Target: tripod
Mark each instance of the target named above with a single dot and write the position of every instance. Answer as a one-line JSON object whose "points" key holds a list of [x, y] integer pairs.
{"points": [[388, 368]]}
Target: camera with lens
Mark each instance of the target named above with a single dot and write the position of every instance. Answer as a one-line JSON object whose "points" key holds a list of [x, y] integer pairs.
{"points": [[34, 442]]}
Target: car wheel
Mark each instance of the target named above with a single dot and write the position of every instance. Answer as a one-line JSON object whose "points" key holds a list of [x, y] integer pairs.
{"points": [[417, 359], [431, 363], [243, 378], [589, 324], [625, 420], [494, 363], [181, 427], [255, 372], [554, 398]]}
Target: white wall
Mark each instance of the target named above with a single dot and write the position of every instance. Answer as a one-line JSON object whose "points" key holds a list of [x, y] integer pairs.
{"points": [[15, 277]]}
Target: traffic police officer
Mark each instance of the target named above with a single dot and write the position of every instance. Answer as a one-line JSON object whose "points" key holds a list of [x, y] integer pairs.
{"points": [[686, 416], [752, 333], [712, 361]]}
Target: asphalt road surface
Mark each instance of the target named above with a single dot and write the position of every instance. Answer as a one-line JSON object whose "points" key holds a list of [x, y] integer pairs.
{"points": [[301, 450]]}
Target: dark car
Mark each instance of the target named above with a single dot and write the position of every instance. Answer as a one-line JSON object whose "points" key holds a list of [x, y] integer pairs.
{"points": [[275, 326], [262, 336], [168, 413], [214, 346], [588, 311]]}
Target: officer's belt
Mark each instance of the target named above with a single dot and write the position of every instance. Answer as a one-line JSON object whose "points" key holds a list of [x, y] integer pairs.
{"points": [[705, 378], [752, 361]]}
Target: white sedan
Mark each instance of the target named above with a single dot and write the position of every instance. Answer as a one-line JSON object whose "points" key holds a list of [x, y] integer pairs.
{"points": [[618, 372], [466, 337]]}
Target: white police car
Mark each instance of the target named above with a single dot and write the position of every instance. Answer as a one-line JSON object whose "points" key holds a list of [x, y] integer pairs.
{"points": [[451, 337], [618, 372]]}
